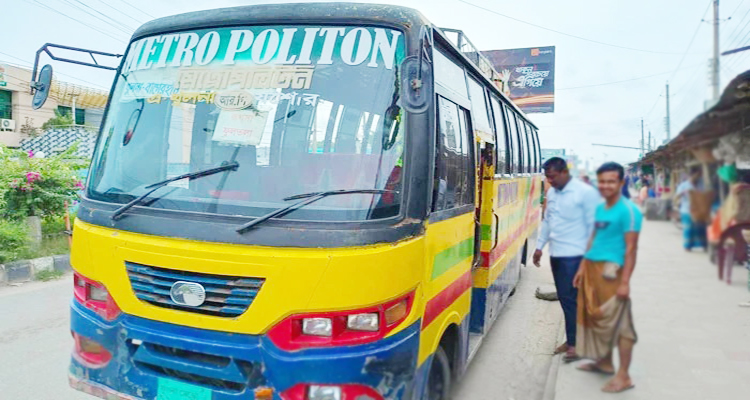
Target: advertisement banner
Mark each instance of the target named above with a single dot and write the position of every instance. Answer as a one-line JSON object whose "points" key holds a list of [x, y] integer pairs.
{"points": [[529, 75]]}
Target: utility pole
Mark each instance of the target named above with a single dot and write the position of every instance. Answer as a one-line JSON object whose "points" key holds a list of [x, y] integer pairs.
{"points": [[715, 61], [643, 141], [667, 122], [649, 141]]}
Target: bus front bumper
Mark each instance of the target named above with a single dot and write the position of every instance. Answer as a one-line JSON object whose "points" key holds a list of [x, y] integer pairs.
{"points": [[151, 358]]}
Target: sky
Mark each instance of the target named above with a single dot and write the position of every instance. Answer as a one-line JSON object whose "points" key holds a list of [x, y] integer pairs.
{"points": [[614, 57]]}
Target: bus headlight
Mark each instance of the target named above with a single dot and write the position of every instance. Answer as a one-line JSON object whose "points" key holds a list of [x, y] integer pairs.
{"points": [[317, 326], [316, 392], [341, 328], [363, 322]]}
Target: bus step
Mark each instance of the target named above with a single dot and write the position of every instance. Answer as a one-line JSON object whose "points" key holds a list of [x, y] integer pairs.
{"points": [[475, 340]]}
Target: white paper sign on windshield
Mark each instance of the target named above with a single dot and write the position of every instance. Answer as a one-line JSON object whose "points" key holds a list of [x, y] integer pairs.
{"points": [[244, 128]]}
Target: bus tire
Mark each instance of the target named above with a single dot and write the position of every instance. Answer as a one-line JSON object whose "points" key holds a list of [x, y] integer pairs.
{"points": [[438, 384]]}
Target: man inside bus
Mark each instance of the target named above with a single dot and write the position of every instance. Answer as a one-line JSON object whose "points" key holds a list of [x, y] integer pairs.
{"points": [[567, 225]]}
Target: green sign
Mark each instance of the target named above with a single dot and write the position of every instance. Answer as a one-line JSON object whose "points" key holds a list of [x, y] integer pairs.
{"points": [[175, 390], [3, 83]]}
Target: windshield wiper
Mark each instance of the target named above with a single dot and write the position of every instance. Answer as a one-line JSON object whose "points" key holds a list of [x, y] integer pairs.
{"points": [[226, 166], [308, 198]]}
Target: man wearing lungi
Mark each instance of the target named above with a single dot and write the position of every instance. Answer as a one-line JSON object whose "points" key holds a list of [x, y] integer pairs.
{"points": [[603, 280]]}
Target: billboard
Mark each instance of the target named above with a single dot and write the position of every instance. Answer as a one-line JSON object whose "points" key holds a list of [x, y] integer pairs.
{"points": [[529, 74]]}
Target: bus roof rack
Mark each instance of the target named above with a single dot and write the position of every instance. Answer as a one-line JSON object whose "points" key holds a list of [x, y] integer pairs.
{"points": [[465, 46]]}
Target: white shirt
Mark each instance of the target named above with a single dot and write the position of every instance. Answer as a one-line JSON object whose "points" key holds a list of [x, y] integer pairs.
{"points": [[569, 219]]}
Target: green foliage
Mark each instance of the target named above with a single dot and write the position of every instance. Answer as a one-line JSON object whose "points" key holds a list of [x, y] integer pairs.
{"points": [[14, 240], [58, 120], [48, 275], [53, 224], [37, 186]]}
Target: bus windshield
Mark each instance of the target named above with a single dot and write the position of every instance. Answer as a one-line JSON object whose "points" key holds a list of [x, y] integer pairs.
{"points": [[300, 109]]}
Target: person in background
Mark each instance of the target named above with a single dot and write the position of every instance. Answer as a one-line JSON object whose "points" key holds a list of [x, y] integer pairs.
{"points": [[605, 317], [567, 225], [693, 233], [643, 193], [586, 179], [626, 187]]}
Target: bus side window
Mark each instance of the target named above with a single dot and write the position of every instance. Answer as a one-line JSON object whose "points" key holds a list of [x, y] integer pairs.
{"points": [[515, 146], [524, 146], [538, 151], [501, 139], [453, 166], [534, 149], [530, 151], [479, 107]]}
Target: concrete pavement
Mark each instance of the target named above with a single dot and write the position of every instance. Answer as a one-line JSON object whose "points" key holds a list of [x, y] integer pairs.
{"points": [[693, 339], [35, 342]]}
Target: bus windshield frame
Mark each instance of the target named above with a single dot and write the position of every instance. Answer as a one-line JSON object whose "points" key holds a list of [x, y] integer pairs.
{"points": [[190, 100]]}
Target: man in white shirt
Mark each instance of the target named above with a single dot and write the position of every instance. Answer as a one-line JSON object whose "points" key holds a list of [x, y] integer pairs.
{"points": [[567, 226]]}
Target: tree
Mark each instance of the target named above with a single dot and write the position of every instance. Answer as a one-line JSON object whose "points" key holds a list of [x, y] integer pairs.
{"points": [[59, 119], [28, 128]]}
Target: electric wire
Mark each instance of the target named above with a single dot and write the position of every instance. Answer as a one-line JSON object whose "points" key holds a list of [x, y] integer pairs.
{"points": [[565, 33]]}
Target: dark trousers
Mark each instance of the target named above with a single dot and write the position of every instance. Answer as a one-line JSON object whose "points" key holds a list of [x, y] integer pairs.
{"points": [[563, 270]]}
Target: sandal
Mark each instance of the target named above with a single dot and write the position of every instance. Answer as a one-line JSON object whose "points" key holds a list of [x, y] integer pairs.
{"points": [[569, 358], [608, 388], [593, 367]]}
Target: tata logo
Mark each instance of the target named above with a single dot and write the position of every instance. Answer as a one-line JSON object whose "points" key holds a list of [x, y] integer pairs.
{"points": [[187, 293]]}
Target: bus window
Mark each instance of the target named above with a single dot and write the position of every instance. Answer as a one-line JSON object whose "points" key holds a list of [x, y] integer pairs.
{"points": [[514, 160], [533, 149], [538, 152], [449, 74], [523, 150], [479, 107], [453, 185], [501, 138], [529, 154]]}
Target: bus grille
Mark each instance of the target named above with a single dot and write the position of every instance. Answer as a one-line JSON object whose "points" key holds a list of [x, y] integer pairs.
{"points": [[208, 370], [226, 296]]}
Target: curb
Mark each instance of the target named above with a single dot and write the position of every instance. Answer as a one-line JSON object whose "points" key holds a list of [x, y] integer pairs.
{"points": [[550, 385], [25, 270]]}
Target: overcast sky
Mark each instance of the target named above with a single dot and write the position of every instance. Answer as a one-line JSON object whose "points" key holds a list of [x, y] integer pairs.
{"points": [[646, 44]]}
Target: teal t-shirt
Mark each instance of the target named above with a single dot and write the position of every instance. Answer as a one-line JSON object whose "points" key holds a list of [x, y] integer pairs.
{"points": [[610, 227]]}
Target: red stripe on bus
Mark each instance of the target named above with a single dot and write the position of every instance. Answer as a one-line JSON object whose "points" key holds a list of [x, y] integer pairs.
{"points": [[445, 298]]}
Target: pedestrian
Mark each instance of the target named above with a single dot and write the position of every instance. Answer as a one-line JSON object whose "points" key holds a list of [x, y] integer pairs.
{"points": [[586, 179], [693, 232], [626, 187], [567, 225], [605, 318]]}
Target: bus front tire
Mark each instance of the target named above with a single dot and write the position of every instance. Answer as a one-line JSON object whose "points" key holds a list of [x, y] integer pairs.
{"points": [[439, 377]]}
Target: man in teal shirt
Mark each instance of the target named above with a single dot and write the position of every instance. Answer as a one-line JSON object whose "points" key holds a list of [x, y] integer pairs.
{"points": [[603, 281]]}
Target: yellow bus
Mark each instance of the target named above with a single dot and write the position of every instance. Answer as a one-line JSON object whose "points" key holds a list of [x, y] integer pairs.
{"points": [[308, 201]]}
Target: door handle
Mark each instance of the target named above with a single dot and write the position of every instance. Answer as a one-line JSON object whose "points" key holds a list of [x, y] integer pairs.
{"points": [[497, 229]]}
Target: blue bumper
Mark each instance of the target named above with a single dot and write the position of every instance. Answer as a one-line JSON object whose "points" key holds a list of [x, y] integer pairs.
{"points": [[232, 366]]}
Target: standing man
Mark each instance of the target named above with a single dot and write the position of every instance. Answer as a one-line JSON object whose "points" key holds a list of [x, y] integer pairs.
{"points": [[693, 232], [603, 281], [567, 225]]}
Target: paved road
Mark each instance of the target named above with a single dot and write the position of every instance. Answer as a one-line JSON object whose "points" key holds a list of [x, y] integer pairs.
{"points": [[35, 345], [35, 342], [693, 339]]}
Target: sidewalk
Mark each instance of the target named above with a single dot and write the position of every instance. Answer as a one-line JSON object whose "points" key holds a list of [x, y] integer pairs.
{"points": [[693, 339]]}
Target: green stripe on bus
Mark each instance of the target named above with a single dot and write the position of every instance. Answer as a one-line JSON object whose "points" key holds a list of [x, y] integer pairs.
{"points": [[451, 256], [486, 232]]}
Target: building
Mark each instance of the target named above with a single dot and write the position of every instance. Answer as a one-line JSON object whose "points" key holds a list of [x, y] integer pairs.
{"points": [[19, 121]]}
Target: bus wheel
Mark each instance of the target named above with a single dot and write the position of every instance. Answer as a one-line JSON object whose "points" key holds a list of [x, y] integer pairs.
{"points": [[439, 378]]}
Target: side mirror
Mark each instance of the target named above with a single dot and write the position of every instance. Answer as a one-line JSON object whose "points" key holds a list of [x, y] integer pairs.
{"points": [[41, 87], [416, 84]]}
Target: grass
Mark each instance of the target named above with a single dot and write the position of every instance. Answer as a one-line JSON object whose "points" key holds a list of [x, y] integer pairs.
{"points": [[48, 275], [51, 246]]}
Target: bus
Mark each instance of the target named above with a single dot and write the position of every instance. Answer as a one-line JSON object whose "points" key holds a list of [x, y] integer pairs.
{"points": [[298, 201]]}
